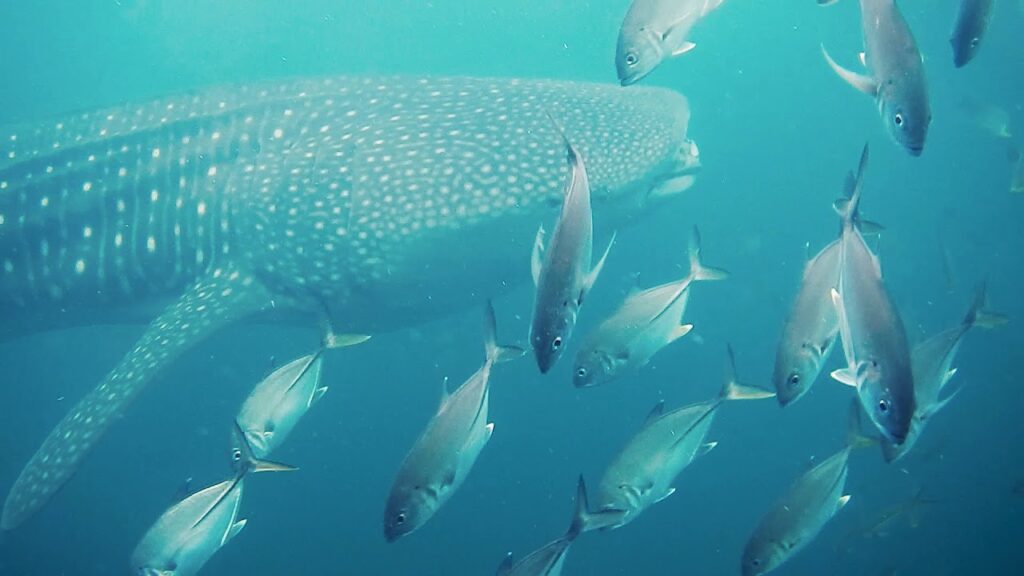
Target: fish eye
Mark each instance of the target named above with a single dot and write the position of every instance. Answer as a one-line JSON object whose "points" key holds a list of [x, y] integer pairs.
{"points": [[974, 42], [581, 372], [236, 455], [400, 519], [556, 343], [898, 119], [883, 405], [756, 562], [794, 379], [631, 59]]}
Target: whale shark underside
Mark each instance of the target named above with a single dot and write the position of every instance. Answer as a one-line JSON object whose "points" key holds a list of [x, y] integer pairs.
{"points": [[374, 203]]}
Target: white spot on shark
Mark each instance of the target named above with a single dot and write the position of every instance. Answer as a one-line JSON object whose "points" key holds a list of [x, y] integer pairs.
{"points": [[79, 266]]}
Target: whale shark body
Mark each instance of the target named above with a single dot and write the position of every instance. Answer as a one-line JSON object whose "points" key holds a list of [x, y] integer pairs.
{"points": [[375, 203]]}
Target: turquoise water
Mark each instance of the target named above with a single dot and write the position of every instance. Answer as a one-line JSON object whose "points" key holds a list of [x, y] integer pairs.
{"points": [[777, 132]]}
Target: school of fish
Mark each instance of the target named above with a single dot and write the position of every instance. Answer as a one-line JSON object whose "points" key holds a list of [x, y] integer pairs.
{"points": [[325, 155]]}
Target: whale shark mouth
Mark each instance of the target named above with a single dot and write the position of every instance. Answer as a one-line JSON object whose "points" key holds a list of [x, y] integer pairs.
{"points": [[680, 173]]}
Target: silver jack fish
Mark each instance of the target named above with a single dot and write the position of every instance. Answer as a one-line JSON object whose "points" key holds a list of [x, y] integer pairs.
{"points": [[811, 328], [812, 325], [932, 365], [375, 199], [188, 534], [443, 455], [971, 24], [549, 559], [897, 80], [795, 520], [276, 405], [874, 339], [645, 323], [562, 271], [643, 472], [654, 30]]}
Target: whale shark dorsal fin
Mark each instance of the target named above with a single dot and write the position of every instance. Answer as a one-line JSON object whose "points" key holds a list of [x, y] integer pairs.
{"points": [[221, 297]]}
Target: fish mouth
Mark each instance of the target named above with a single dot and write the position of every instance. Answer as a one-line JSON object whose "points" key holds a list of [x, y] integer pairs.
{"points": [[915, 150]]}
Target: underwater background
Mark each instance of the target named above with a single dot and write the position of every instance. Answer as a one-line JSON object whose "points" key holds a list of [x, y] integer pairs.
{"points": [[777, 132]]}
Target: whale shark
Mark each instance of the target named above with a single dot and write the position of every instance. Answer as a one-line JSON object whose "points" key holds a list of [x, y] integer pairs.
{"points": [[373, 203]]}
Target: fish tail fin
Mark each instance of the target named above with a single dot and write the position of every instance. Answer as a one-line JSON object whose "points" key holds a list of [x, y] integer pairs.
{"points": [[979, 316], [250, 464], [855, 439], [732, 389], [848, 207], [497, 353], [698, 271], [581, 512], [571, 154]]}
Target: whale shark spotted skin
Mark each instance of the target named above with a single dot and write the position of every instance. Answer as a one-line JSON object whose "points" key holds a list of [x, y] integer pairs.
{"points": [[378, 202]]}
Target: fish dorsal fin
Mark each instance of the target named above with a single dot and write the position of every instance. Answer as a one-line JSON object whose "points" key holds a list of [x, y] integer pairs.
{"points": [[657, 412], [537, 256], [865, 84], [445, 394], [310, 370], [506, 565], [596, 270]]}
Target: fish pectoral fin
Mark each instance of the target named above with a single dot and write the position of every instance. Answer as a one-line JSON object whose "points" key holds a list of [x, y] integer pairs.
{"points": [[679, 332], [332, 340], [843, 501], [683, 48], [865, 84], [705, 448], [596, 270], [318, 394], [220, 297], [845, 376], [667, 493], [863, 57], [537, 257], [488, 432], [235, 529]]}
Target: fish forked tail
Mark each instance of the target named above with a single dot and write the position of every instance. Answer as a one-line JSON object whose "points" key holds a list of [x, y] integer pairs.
{"points": [[979, 316], [581, 512], [848, 207], [698, 271], [497, 353], [732, 389], [248, 463]]}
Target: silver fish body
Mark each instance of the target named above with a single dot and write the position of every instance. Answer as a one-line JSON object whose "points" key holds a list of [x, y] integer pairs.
{"points": [[562, 268], [276, 405], [872, 333], [797, 518], [188, 534], [442, 457], [896, 77], [643, 472], [647, 321], [811, 328], [932, 366], [654, 30], [338, 194], [971, 24]]}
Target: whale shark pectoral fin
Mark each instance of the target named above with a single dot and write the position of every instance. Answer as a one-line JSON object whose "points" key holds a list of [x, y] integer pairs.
{"points": [[221, 297]]}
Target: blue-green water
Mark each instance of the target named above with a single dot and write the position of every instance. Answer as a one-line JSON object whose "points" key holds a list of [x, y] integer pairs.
{"points": [[777, 132]]}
